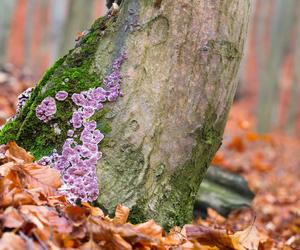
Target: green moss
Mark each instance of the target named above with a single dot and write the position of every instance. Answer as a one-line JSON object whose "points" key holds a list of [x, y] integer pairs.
{"points": [[225, 49], [72, 73]]}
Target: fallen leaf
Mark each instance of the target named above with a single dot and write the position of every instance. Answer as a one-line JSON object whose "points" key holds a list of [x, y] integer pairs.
{"points": [[11, 218], [248, 238], [90, 245], [213, 237], [46, 178], [121, 214], [237, 144], [11, 241], [17, 153]]}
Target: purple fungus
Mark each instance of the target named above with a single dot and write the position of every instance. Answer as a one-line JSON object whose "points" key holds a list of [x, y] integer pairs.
{"points": [[22, 98], [46, 110], [61, 95], [70, 133]]}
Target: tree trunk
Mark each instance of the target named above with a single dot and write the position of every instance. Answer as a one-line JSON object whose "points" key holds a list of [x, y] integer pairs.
{"points": [[271, 58], [6, 12], [179, 82]]}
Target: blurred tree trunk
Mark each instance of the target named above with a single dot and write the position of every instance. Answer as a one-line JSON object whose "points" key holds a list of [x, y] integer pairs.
{"points": [[6, 12], [294, 93], [79, 17], [28, 32], [58, 16], [179, 83], [270, 56]]}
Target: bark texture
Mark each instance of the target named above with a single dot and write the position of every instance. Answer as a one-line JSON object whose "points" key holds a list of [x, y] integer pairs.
{"points": [[180, 79]]}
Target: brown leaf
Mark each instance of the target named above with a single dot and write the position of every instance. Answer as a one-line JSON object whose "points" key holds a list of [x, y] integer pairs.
{"points": [[11, 218], [213, 238], [11, 192], [150, 228], [121, 215], [5, 168], [95, 211], [174, 239], [90, 245], [45, 178], [248, 238], [17, 153], [77, 215], [11, 241]]}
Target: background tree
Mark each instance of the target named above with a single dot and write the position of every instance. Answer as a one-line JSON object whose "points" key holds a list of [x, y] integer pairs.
{"points": [[270, 55], [6, 11], [179, 82]]}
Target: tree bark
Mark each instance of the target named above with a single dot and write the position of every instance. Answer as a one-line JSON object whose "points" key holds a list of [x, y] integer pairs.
{"points": [[180, 80]]}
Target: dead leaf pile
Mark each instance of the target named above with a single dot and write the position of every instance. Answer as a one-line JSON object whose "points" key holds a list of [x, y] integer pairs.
{"points": [[270, 163], [33, 215]]}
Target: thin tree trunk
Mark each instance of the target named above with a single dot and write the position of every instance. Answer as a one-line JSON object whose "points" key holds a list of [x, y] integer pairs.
{"points": [[80, 16], [179, 82], [6, 11], [270, 59], [58, 15], [294, 99], [28, 33]]}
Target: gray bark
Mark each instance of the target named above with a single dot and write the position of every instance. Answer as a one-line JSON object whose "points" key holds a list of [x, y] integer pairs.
{"points": [[180, 80]]}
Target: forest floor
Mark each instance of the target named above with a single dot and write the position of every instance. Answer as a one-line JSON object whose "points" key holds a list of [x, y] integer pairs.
{"points": [[270, 163]]}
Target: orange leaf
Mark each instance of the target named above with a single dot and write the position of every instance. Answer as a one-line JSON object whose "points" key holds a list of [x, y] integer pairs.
{"points": [[11, 218], [248, 238], [213, 238], [48, 179], [95, 211], [150, 228], [237, 144], [12, 241], [77, 214], [121, 215], [90, 245], [17, 153]]}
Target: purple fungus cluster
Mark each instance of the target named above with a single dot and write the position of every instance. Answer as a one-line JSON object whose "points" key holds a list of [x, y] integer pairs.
{"points": [[22, 98], [77, 164], [78, 160], [113, 80], [46, 110], [61, 95]]}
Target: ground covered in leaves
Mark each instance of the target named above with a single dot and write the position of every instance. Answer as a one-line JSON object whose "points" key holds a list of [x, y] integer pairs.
{"points": [[34, 216]]}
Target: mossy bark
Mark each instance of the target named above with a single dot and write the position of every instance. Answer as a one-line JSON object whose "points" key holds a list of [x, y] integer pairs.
{"points": [[183, 58]]}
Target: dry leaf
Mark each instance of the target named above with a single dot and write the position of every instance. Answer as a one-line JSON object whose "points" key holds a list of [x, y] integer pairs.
{"points": [[11, 241], [48, 179], [95, 211], [248, 238], [121, 214], [90, 245], [18, 154], [150, 228], [11, 218], [213, 238]]}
